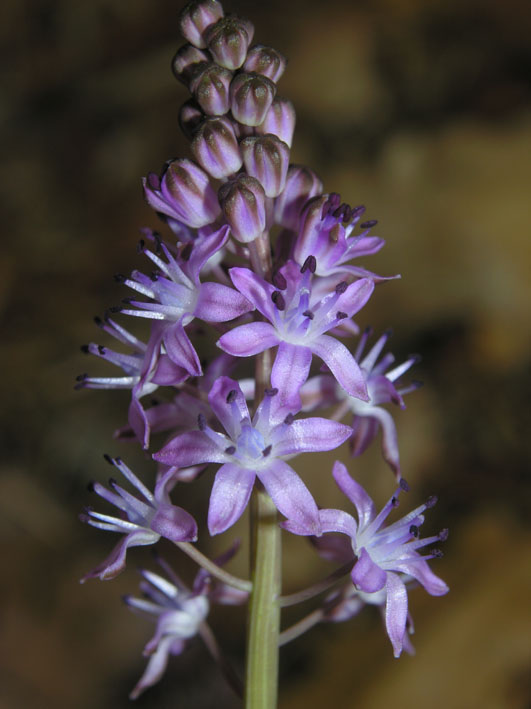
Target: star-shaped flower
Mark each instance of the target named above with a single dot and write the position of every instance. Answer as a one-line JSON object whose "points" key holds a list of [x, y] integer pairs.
{"points": [[297, 325], [144, 519], [252, 448], [384, 556]]}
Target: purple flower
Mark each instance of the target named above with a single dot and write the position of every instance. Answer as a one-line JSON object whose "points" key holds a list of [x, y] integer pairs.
{"points": [[369, 415], [326, 232], [179, 613], [298, 324], [252, 448], [143, 520], [385, 556], [177, 296]]}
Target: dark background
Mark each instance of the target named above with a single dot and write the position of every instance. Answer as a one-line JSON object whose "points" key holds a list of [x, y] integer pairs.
{"points": [[418, 109]]}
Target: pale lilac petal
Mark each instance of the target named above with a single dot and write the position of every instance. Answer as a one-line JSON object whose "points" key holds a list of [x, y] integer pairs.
{"points": [[174, 523], [180, 349], [318, 391], [155, 667], [190, 448], [290, 371], [355, 297], [229, 414], [355, 493], [420, 571], [138, 421], [250, 339], [219, 303], [115, 562], [229, 497], [339, 521], [366, 575], [204, 248], [389, 438], [291, 497], [396, 612], [342, 365], [364, 430], [309, 435], [167, 373], [254, 289], [333, 547]]}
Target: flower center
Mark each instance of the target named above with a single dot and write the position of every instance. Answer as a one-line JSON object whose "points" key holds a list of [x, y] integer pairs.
{"points": [[250, 443]]}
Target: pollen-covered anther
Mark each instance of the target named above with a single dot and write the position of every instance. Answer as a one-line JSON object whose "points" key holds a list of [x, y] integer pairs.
{"points": [[278, 300], [231, 450], [341, 287]]}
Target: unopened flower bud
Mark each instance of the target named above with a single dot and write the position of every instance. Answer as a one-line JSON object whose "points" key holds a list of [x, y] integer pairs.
{"points": [[228, 41], [216, 149], [251, 96], [211, 89], [301, 185], [190, 118], [266, 158], [279, 120], [185, 62], [266, 61], [196, 17], [184, 193], [243, 203]]}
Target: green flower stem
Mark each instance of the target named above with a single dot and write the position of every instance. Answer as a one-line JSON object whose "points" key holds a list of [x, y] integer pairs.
{"points": [[263, 624], [261, 677]]}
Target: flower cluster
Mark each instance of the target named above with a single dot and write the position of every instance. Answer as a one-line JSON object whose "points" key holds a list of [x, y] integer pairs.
{"points": [[215, 271]]}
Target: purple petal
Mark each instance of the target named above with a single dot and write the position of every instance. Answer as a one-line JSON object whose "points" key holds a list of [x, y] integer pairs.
{"points": [[292, 498], [254, 289], [355, 297], [138, 421], [366, 575], [250, 339], [389, 438], [204, 248], [229, 414], [174, 523], [396, 612], [342, 365], [355, 493], [229, 497], [190, 448], [318, 392], [167, 373], [420, 570], [155, 667], [180, 349], [364, 429], [219, 303], [115, 562], [290, 371], [331, 547], [309, 435], [339, 521]]}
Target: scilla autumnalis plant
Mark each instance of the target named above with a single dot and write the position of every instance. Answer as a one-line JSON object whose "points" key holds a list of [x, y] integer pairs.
{"points": [[287, 305]]}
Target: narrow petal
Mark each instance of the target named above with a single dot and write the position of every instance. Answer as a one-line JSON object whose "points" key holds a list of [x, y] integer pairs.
{"points": [[230, 414], [291, 497], [155, 667], [204, 248], [355, 493], [290, 371], [229, 497], [309, 435], [396, 612], [339, 521], [190, 448], [180, 349], [355, 297], [366, 575], [250, 339], [420, 571], [342, 365], [389, 438], [333, 547], [364, 430], [219, 303], [115, 562], [174, 523], [254, 289]]}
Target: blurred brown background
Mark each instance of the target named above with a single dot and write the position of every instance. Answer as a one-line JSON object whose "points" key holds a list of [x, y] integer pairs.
{"points": [[418, 109]]}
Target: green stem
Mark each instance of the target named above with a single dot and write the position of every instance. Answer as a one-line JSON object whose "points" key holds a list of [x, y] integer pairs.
{"points": [[263, 625], [261, 676]]}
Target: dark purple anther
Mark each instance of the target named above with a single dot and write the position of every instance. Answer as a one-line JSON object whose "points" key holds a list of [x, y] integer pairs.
{"points": [[368, 224], [443, 535], [289, 419], [431, 501], [309, 314], [279, 281], [309, 264], [404, 485], [231, 396], [340, 315], [271, 391], [341, 287], [267, 450], [278, 300], [201, 422]]}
